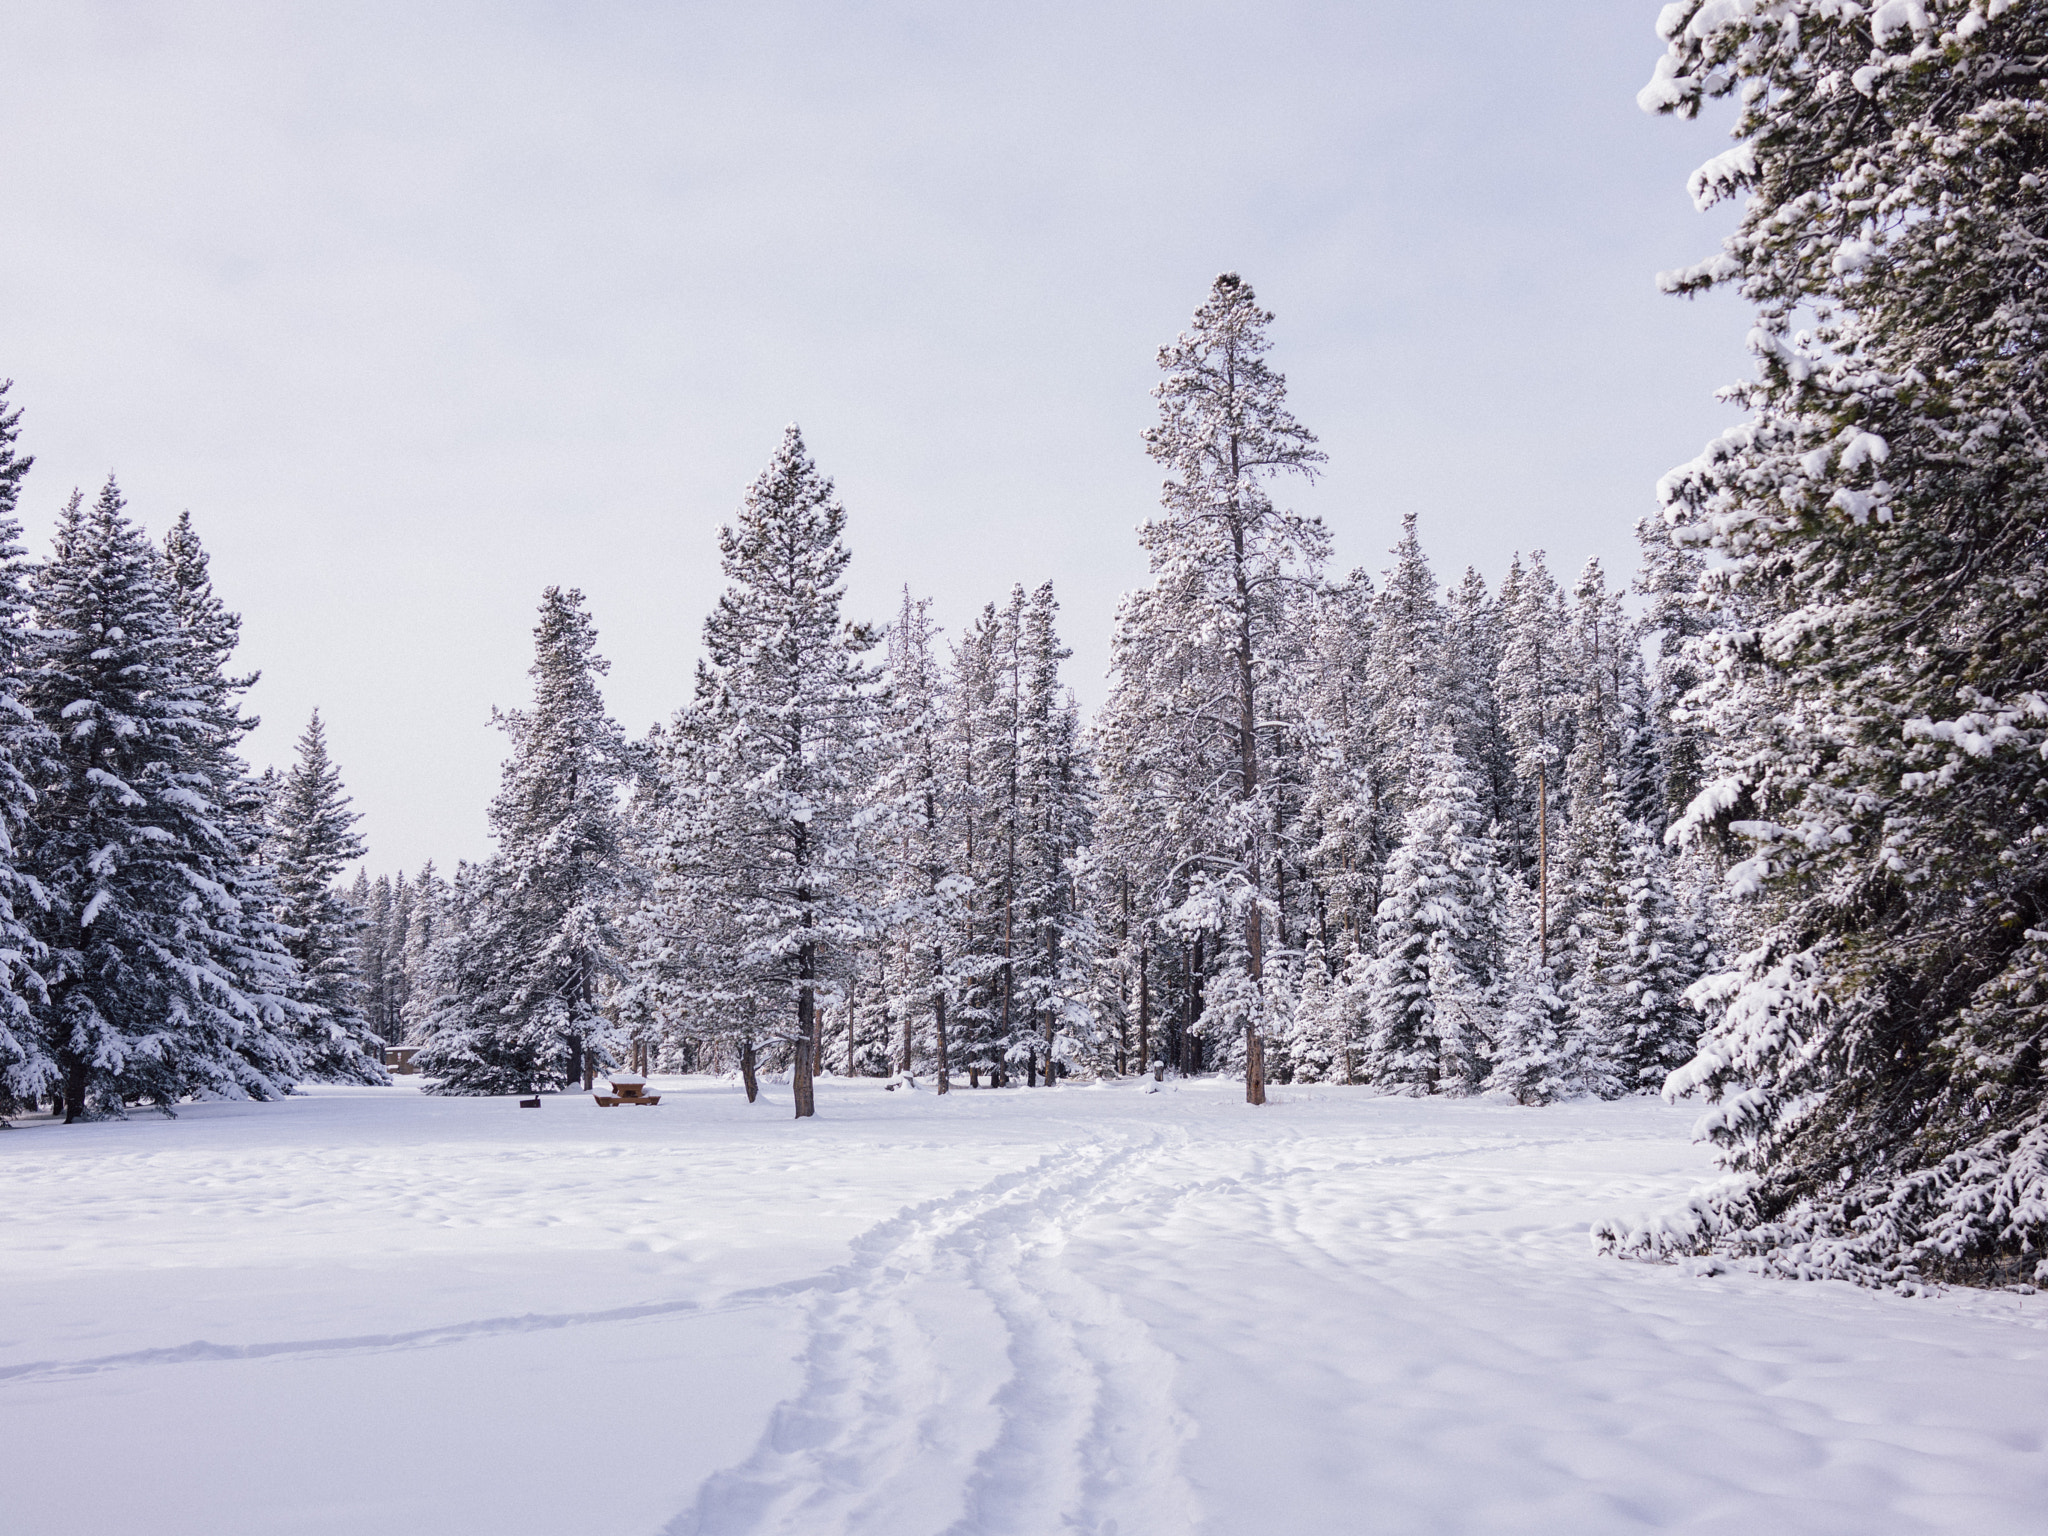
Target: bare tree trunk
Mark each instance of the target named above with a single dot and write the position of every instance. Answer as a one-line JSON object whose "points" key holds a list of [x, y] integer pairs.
{"points": [[74, 1090], [747, 1073]]}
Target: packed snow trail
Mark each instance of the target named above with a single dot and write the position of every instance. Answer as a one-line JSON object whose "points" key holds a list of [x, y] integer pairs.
{"points": [[1096, 1310], [893, 1430]]}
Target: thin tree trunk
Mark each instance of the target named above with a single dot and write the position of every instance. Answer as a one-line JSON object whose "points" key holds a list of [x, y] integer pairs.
{"points": [[1145, 1015], [1248, 778], [939, 1016], [1542, 870], [806, 1031], [747, 1073]]}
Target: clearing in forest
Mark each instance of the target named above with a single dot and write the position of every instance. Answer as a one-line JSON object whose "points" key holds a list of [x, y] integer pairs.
{"points": [[1086, 1309]]}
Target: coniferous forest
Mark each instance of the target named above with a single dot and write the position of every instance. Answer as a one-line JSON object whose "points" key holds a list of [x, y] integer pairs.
{"points": [[1764, 820]]}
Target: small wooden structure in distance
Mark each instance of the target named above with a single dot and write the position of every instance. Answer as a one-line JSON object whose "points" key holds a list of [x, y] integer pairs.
{"points": [[399, 1059], [627, 1088]]}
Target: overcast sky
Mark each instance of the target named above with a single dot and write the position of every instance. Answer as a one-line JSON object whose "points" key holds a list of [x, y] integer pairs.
{"points": [[421, 307]]}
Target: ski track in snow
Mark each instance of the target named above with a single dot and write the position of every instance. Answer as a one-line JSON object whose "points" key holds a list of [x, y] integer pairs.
{"points": [[202, 1351], [1083, 1436]]}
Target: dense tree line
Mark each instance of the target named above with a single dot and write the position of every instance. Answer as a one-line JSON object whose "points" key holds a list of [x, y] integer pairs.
{"points": [[168, 924], [1336, 829]]}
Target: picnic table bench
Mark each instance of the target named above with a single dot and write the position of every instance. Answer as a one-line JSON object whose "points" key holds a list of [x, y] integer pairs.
{"points": [[627, 1088]]}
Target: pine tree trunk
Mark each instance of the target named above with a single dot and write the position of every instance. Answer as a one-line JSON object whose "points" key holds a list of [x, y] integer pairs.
{"points": [[1145, 1016], [75, 1078], [747, 1072], [939, 1018], [1248, 776], [1542, 870], [806, 1032]]}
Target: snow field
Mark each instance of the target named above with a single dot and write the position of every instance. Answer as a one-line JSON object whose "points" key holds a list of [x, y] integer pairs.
{"points": [[1083, 1309]]}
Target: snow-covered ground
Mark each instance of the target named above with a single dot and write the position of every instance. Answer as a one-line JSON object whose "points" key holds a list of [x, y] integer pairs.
{"points": [[1087, 1309]]}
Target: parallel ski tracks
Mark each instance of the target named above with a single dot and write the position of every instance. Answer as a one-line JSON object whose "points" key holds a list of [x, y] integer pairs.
{"points": [[962, 1380]]}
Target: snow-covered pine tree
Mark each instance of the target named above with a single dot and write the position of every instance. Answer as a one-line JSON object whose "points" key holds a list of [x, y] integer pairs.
{"points": [[924, 903], [1879, 721], [1595, 957], [979, 750], [1536, 1055], [145, 927], [547, 921], [389, 1021], [788, 711], [1160, 762], [1430, 1010], [456, 1005], [1315, 1050], [429, 901], [1471, 664], [1536, 691], [27, 1065], [371, 901], [1405, 670], [1665, 953], [1055, 813], [1678, 618], [1224, 559], [258, 946], [1345, 816], [312, 840]]}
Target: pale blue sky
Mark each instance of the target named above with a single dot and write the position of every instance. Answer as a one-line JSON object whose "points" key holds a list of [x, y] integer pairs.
{"points": [[420, 307]]}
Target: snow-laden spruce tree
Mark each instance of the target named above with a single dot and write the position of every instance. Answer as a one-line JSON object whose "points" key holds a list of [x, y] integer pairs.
{"points": [[1055, 788], [27, 1066], [1537, 690], [1430, 1008], [785, 725], [312, 840], [1471, 665], [1345, 815], [1665, 953], [259, 946], [1405, 671], [925, 891], [1227, 565], [150, 954], [430, 899], [542, 943], [1595, 958], [1879, 726], [1536, 1050]]}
